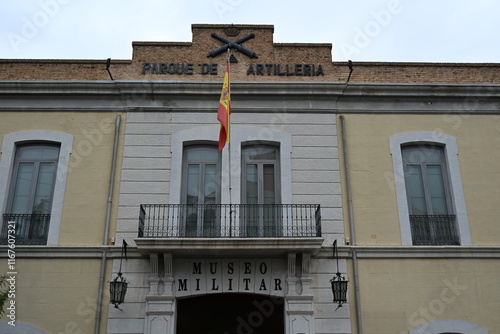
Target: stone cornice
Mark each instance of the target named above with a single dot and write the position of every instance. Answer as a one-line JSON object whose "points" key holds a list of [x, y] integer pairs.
{"points": [[415, 252], [256, 247], [22, 251], [255, 97], [104, 87]]}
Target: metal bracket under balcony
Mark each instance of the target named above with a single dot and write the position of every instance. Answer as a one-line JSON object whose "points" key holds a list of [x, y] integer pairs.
{"points": [[277, 227]]}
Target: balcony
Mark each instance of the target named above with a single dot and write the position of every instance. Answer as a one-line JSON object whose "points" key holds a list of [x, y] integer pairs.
{"points": [[434, 230], [231, 227], [25, 229]]}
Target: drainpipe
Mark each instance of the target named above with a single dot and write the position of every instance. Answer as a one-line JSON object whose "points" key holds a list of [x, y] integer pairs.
{"points": [[106, 227], [351, 227]]}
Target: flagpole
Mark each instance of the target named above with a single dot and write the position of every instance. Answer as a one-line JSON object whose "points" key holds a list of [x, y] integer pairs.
{"points": [[224, 117], [229, 155]]}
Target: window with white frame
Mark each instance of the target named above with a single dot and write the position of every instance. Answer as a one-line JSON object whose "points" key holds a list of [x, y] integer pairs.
{"points": [[268, 161], [432, 218], [31, 191], [428, 186], [260, 189], [33, 172], [241, 136], [201, 190]]}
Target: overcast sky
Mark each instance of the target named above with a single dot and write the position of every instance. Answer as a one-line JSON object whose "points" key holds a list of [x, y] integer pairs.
{"points": [[360, 30]]}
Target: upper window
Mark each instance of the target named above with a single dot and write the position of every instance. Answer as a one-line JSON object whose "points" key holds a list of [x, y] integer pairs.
{"points": [[260, 189], [33, 170], [261, 175], [201, 190], [241, 136], [263, 171], [428, 188], [31, 192], [33, 179], [431, 214]]}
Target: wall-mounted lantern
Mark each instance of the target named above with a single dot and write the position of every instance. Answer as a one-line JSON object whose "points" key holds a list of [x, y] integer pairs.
{"points": [[118, 287], [339, 282], [117, 290]]}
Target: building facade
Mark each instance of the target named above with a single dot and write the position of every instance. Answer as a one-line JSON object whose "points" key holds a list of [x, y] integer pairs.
{"points": [[387, 159]]}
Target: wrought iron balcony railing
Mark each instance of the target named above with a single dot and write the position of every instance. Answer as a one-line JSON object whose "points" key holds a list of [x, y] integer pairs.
{"points": [[229, 221], [434, 230], [25, 229]]}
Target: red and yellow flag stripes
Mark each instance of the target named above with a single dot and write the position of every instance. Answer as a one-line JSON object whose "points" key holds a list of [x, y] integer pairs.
{"points": [[224, 112]]}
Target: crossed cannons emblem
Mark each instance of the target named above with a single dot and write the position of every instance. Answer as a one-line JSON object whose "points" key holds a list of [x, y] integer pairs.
{"points": [[232, 45]]}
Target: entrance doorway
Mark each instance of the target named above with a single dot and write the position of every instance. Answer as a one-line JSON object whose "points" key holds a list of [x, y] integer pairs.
{"points": [[230, 314]]}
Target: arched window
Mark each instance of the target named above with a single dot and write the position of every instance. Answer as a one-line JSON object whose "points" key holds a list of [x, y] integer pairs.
{"points": [[432, 217], [33, 179], [33, 170], [31, 192], [261, 175], [430, 199], [201, 190], [241, 136], [260, 189]]}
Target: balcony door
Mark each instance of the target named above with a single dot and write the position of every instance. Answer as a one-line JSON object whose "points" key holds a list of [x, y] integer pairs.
{"points": [[201, 191], [431, 213], [32, 188], [261, 191]]}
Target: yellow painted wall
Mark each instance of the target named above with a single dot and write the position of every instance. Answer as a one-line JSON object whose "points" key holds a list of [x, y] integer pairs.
{"points": [[400, 294], [372, 176], [59, 295], [84, 208]]}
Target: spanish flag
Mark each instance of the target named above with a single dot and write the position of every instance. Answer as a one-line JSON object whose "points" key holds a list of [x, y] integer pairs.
{"points": [[224, 112]]}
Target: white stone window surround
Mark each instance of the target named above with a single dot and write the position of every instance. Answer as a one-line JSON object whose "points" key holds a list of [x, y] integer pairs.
{"points": [[448, 326], [457, 196], [240, 134], [10, 141]]}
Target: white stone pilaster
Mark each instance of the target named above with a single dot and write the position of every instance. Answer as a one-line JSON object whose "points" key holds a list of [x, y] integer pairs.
{"points": [[291, 277], [168, 278], [154, 280], [299, 300], [306, 279], [160, 309]]}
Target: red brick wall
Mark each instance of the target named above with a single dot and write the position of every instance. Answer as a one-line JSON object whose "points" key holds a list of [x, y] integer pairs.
{"points": [[269, 54]]}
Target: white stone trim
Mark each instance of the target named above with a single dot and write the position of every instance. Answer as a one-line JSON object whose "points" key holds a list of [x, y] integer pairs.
{"points": [[239, 134], [448, 326], [457, 195], [6, 163]]}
